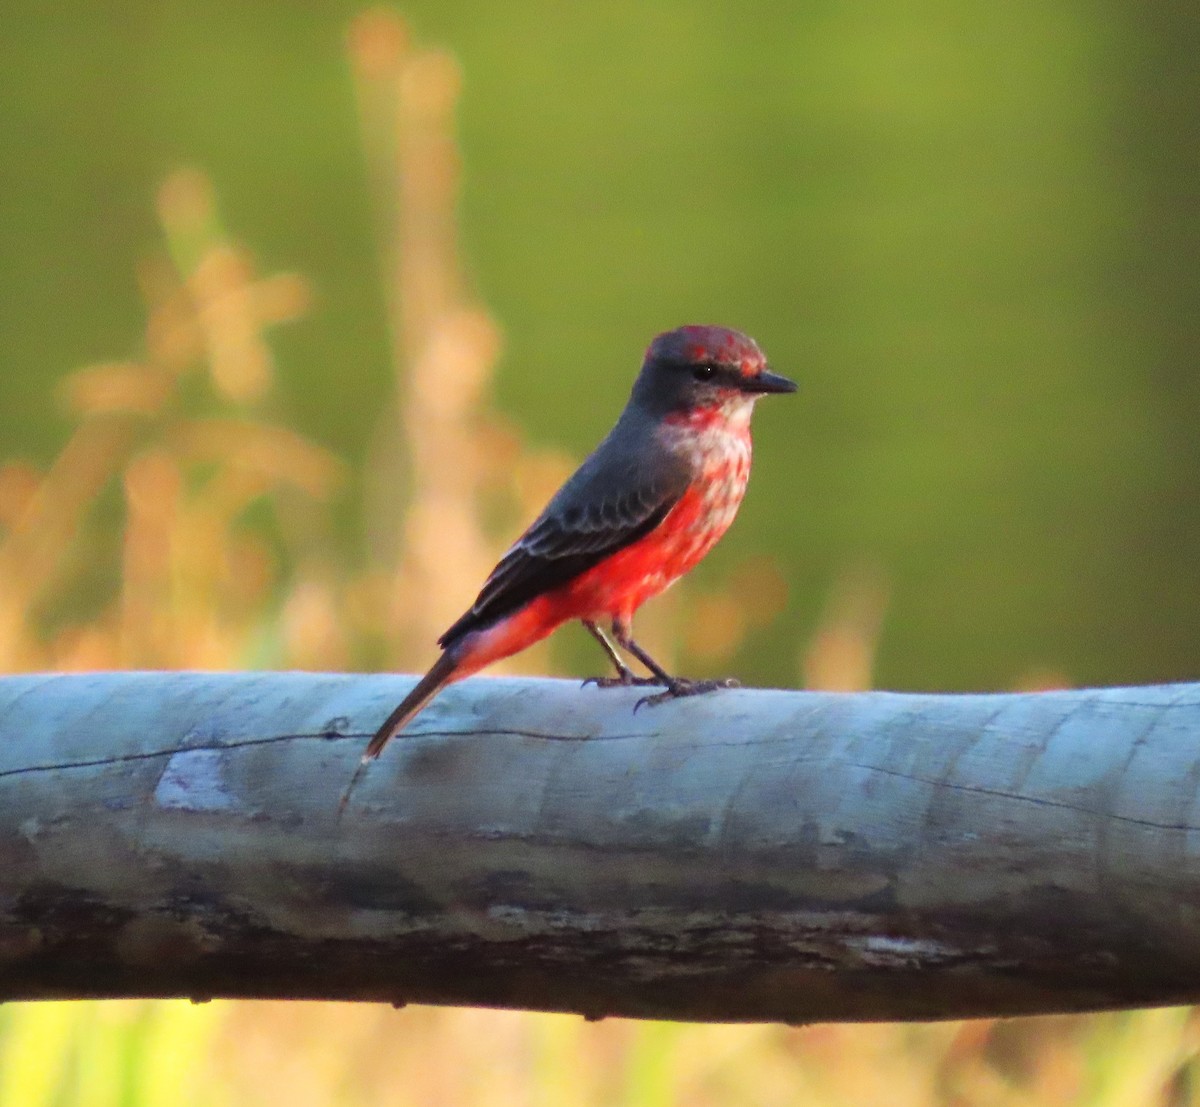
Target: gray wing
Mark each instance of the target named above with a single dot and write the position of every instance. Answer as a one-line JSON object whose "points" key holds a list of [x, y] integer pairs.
{"points": [[616, 497]]}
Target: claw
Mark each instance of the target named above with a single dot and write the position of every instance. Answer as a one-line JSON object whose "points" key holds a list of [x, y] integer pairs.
{"points": [[625, 680], [679, 688]]}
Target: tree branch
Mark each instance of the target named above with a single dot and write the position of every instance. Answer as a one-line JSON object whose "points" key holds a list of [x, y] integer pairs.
{"points": [[744, 855]]}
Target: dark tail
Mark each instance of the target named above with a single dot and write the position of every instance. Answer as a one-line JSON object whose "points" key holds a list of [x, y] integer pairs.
{"points": [[427, 687]]}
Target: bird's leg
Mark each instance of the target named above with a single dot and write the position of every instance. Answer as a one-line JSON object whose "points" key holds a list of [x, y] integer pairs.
{"points": [[625, 675], [676, 686]]}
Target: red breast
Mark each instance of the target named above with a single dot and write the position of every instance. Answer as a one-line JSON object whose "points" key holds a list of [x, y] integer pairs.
{"points": [[720, 452]]}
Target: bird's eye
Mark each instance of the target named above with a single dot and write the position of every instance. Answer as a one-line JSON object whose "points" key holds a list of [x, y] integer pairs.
{"points": [[703, 372]]}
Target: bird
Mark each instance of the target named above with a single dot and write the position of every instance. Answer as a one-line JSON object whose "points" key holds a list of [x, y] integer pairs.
{"points": [[641, 511]]}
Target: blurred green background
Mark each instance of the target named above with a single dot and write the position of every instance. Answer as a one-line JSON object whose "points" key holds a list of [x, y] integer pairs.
{"points": [[970, 230]]}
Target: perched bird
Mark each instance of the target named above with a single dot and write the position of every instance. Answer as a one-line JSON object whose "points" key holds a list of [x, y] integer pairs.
{"points": [[642, 510]]}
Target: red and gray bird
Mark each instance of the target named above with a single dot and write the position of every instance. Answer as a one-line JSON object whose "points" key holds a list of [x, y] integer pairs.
{"points": [[642, 510]]}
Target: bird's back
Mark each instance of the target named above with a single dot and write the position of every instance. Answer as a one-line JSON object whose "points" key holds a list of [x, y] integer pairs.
{"points": [[623, 490]]}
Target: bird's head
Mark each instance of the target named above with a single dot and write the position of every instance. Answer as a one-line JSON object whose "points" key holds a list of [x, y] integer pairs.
{"points": [[705, 369]]}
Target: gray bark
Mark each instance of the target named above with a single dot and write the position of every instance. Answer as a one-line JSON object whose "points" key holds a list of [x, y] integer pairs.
{"points": [[744, 855]]}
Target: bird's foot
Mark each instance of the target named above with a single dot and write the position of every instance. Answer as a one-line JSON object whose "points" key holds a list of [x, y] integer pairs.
{"points": [[626, 679], [680, 687]]}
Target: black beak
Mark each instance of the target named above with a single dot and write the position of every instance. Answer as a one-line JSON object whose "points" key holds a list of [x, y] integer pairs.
{"points": [[767, 381]]}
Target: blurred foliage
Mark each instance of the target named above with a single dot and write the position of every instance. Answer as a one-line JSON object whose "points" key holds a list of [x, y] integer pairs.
{"points": [[144, 1054], [970, 232]]}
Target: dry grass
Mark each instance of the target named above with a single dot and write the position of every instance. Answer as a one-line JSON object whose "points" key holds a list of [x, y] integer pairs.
{"points": [[180, 526]]}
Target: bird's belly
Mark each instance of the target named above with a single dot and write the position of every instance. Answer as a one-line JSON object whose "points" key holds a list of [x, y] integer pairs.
{"points": [[622, 583]]}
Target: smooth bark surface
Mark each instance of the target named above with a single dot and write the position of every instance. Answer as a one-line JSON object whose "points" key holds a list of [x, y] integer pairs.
{"points": [[744, 855]]}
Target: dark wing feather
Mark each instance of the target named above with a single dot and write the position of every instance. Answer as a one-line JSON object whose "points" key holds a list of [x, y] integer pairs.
{"points": [[610, 503]]}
